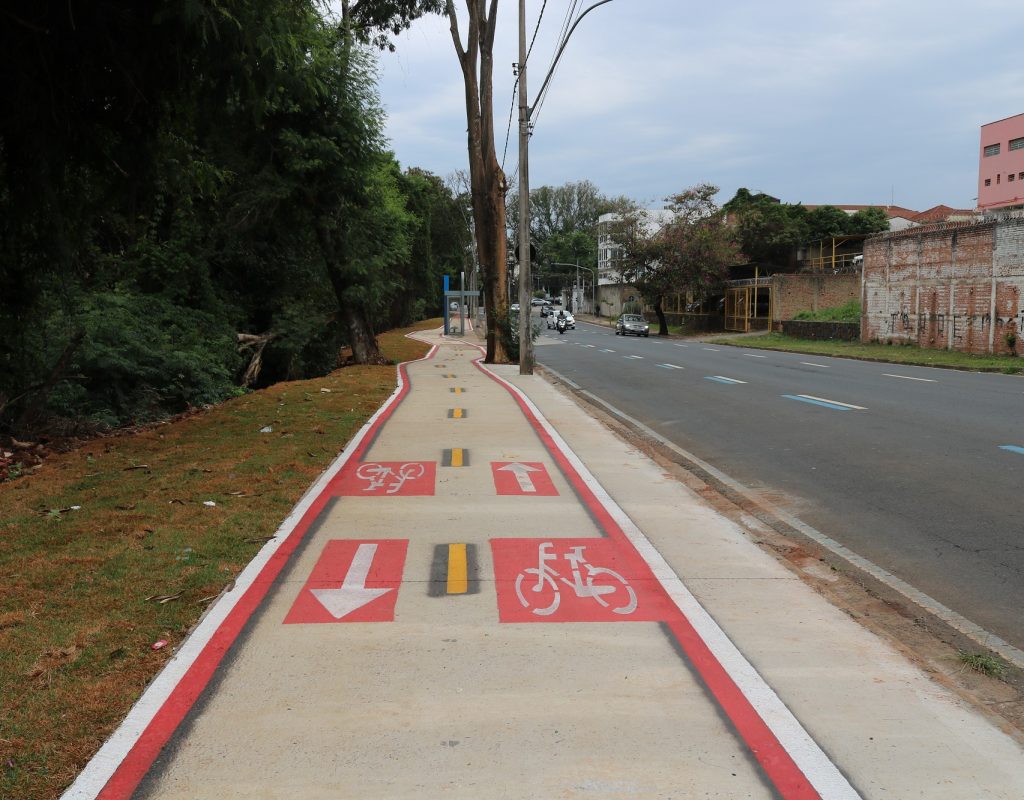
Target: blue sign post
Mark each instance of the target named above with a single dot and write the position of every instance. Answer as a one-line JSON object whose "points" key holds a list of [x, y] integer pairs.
{"points": [[445, 304]]}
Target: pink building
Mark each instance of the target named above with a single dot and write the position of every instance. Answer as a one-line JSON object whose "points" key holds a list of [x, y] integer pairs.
{"points": [[1001, 164]]}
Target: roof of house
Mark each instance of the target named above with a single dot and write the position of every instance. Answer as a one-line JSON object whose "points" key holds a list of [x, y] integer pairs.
{"points": [[942, 213]]}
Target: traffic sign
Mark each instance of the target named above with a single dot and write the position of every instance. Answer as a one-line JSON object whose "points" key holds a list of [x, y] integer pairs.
{"points": [[353, 581], [522, 478]]}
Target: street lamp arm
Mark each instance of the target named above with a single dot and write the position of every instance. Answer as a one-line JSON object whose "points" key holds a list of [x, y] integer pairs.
{"points": [[551, 72]]}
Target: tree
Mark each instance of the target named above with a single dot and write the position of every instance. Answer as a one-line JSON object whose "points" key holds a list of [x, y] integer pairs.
{"points": [[488, 183], [690, 253]]}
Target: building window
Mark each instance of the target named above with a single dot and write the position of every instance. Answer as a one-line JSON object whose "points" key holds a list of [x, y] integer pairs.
{"points": [[1010, 177], [999, 178], [1021, 176], [991, 150], [988, 181], [1017, 144]]}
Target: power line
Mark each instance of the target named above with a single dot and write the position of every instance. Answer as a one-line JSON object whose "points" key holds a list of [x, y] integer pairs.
{"points": [[515, 87]]}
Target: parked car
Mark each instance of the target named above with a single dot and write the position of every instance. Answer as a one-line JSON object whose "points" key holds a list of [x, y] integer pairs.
{"points": [[545, 309], [632, 323], [538, 301], [515, 308], [570, 321]]}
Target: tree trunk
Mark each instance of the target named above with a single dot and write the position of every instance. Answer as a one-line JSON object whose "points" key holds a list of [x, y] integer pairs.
{"points": [[662, 322], [357, 323], [487, 181]]}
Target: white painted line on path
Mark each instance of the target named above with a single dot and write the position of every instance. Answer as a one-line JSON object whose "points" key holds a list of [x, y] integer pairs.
{"points": [[812, 364], [754, 355], [909, 377]]}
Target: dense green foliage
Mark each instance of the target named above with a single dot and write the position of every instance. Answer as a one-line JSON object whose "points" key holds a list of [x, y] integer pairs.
{"points": [[174, 175], [770, 232]]}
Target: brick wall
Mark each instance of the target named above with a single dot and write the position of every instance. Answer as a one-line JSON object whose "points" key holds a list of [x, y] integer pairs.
{"points": [[795, 293], [954, 286]]}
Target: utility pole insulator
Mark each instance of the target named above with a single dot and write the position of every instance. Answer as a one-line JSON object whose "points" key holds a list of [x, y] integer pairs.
{"points": [[515, 69]]}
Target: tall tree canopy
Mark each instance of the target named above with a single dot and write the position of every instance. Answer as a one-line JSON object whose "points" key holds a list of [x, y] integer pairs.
{"points": [[191, 193], [691, 253], [770, 232]]}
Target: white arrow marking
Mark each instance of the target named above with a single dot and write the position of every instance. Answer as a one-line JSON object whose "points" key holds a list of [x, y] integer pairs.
{"points": [[353, 593], [522, 473]]}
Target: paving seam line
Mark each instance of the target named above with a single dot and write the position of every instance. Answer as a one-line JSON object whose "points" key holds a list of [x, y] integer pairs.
{"points": [[816, 766], [121, 751], [958, 622]]}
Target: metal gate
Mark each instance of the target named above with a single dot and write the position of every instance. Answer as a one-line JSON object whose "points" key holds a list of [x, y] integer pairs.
{"points": [[748, 303]]}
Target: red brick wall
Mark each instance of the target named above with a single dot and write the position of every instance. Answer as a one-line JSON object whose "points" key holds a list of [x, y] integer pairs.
{"points": [[794, 293], [953, 286]]}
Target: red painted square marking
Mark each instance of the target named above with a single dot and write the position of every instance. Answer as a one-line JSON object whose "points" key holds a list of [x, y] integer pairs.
{"points": [[523, 478], [385, 479], [575, 580], [353, 581]]}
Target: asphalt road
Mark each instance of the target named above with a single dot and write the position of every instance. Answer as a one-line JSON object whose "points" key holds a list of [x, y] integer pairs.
{"points": [[908, 466]]}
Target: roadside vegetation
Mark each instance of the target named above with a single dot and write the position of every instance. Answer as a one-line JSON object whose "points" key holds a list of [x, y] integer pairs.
{"points": [[123, 543], [875, 351], [848, 312]]}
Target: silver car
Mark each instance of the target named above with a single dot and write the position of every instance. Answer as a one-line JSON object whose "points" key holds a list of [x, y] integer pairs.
{"points": [[570, 321], [632, 323]]}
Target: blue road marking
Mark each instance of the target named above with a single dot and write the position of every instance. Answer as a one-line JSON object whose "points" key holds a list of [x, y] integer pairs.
{"points": [[1012, 448]]}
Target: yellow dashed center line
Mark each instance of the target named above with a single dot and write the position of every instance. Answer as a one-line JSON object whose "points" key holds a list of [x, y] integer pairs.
{"points": [[458, 580]]}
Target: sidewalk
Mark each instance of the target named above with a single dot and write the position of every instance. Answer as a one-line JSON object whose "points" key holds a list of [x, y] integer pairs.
{"points": [[491, 596]]}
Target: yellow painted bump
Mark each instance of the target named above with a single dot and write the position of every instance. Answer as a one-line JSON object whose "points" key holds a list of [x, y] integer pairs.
{"points": [[456, 456], [458, 573], [456, 413]]}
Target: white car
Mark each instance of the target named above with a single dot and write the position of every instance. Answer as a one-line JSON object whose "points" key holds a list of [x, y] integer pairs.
{"points": [[570, 322]]}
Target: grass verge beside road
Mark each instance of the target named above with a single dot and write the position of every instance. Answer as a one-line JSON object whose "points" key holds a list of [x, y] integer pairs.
{"points": [[123, 543], [896, 354]]}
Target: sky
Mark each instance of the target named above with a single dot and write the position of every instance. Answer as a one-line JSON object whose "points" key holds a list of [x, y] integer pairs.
{"points": [[829, 101]]}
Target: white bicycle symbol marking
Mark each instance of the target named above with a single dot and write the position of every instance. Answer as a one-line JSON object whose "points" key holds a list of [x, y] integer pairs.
{"points": [[380, 474], [545, 593]]}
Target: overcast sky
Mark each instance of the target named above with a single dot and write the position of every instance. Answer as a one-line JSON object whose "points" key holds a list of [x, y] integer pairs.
{"points": [[827, 101]]}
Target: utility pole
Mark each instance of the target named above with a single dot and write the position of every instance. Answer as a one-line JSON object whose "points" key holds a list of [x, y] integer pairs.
{"points": [[525, 282]]}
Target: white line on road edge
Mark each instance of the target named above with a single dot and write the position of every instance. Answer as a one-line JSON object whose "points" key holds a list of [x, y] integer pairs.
{"points": [[956, 621], [816, 766], [101, 767], [908, 377]]}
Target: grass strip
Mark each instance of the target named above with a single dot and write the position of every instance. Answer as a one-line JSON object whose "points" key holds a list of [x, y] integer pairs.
{"points": [[122, 544], [895, 353]]}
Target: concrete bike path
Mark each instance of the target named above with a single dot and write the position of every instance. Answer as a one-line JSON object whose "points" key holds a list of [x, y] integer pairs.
{"points": [[480, 599]]}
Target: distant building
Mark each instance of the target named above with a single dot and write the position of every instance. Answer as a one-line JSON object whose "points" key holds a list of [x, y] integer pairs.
{"points": [[608, 250], [902, 218], [1001, 164]]}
